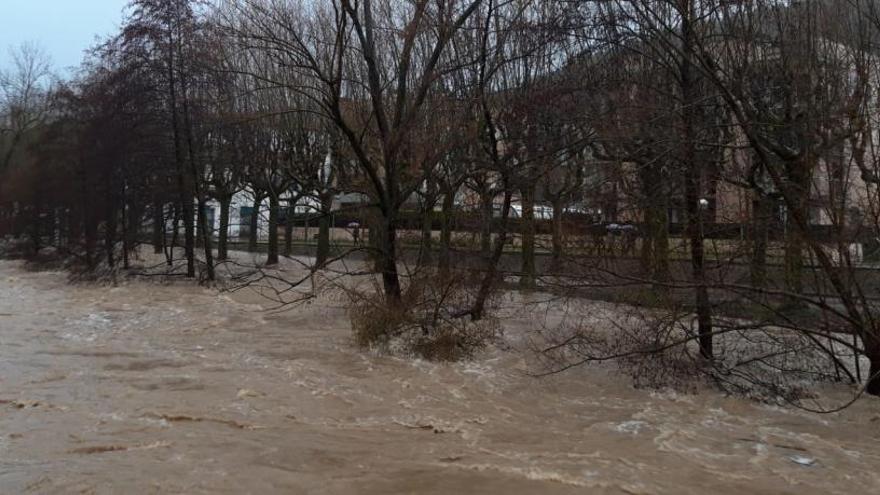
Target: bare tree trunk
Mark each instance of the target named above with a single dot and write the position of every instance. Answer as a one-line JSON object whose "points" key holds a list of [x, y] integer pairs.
{"points": [[655, 238], [390, 276], [185, 189], [255, 213], [324, 225], [109, 237], [18, 222], [206, 237], [307, 223], [446, 232], [492, 263], [223, 234], [486, 219], [36, 242], [693, 181], [873, 385], [558, 234], [527, 278], [430, 199], [158, 227], [288, 226], [427, 243], [762, 212], [189, 239], [272, 251], [374, 239], [660, 236], [175, 235], [704, 316], [135, 223], [647, 251], [794, 261], [91, 234], [799, 174], [201, 215], [288, 233], [59, 226], [126, 241]]}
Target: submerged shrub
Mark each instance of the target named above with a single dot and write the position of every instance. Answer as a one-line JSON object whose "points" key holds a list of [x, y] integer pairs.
{"points": [[428, 322]]}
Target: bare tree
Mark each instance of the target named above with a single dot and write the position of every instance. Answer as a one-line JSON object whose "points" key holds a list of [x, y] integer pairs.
{"points": [[24, 96], [396, 51]]}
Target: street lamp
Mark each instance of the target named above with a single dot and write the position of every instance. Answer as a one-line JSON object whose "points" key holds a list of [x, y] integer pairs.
{"points": [[702, 206]]}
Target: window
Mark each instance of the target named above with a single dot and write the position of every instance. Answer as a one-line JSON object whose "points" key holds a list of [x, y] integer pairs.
{"points": [[245, 214]]}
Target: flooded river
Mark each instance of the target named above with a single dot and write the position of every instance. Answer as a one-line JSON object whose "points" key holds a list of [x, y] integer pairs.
{"points": [[145, 388]]}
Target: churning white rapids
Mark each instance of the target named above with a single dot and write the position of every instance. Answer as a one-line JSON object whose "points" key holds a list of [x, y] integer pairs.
{"points": [[149, 388]]}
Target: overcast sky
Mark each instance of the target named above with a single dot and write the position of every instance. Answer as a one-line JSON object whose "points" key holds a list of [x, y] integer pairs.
{"points": [[64, 28]]}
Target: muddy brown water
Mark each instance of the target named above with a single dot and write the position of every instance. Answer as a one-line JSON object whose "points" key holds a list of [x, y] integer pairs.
{"points": [[146, 388]]}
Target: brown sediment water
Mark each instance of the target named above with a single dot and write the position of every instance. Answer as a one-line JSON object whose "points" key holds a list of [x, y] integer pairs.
{"points": [[148, 388]]}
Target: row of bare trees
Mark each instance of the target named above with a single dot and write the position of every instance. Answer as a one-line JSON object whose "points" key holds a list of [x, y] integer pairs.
{"points": [[769, 104], [757, 113]]}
